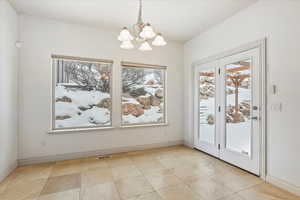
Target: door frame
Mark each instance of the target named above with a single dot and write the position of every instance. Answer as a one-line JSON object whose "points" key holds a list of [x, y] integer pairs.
{"points": [[250, 162], [261, 45]]}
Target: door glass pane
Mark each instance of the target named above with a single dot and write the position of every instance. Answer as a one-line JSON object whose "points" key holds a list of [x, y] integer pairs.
{"points": [[207, 106], [238, 104]]}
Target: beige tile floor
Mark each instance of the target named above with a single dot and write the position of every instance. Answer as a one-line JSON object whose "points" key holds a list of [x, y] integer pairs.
{"points": [[172, 173]]}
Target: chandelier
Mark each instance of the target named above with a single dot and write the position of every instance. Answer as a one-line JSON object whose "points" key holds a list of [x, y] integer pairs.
{"points": [[142, 33]]}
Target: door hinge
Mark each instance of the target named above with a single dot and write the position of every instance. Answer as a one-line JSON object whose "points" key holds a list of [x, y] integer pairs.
{"points": [[219, 146]]}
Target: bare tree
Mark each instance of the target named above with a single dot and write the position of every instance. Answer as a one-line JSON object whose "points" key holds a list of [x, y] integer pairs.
{"points": [[236, 78], [88, 76], [131, 77]]}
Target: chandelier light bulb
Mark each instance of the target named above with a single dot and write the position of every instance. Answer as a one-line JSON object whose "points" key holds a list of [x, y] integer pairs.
{"points": [[145, 46], [127, 44], [159, 40], [125, 35], [147, 32], [141, 33]]}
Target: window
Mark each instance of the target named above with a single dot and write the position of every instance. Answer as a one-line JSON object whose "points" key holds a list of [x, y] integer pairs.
{"points": [[81, 93], [207, 118], [143, 94]]}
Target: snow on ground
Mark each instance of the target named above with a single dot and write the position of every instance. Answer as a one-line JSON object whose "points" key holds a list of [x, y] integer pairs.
{"points": [[81, 97], [150, 77], [150, 115], [207, 133], [129, 100], [207, 107], [238, 135], [149, 88], [92, 116]]}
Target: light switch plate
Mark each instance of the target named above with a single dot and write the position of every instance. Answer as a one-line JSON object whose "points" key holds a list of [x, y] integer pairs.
{"points": [[274, 89], [277, 106]]}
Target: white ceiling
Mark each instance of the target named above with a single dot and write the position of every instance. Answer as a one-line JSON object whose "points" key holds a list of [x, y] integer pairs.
{"points": [[176, 19]]}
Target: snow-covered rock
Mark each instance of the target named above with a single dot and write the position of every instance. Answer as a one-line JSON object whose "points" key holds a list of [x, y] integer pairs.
{"points": [[145, 101], [132, 109], [159, 93], [150, 79], [64, 99], [62, 117], [105, 103], [155, 101], [138, 92], [151, 82], [210, 119], [75, 107]]}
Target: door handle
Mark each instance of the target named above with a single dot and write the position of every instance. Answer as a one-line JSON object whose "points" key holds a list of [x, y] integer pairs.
{"points": [[254, 118]]}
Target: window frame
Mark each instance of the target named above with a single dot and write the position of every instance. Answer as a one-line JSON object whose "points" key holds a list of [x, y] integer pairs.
{"points": [[126, 64], [54, 58]]}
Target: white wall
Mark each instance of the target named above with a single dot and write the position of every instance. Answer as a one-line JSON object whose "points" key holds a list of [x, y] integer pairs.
{"points": [[278, 20], [41, 38], [8, 88]]}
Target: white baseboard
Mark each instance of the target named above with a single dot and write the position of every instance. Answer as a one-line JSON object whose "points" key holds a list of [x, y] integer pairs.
{"points": [[69, 156], [8, 170], [283, 184], [188, 144]]}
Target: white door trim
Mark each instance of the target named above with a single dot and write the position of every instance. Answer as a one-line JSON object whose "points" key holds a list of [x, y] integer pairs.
{"points": [[261, 44]]}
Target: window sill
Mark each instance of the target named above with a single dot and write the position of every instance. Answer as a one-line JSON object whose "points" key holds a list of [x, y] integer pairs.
{"points": [[78, 130], [143, 125], [70, 131]]}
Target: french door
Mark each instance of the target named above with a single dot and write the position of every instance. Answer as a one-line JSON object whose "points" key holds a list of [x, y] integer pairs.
{"points": [[227, 110]]}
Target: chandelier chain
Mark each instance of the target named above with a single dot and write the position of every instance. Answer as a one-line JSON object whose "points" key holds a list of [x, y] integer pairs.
{"points": [[140, 20], [143, 33]]}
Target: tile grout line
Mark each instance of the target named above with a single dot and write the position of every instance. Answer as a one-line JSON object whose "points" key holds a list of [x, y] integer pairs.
{"points": [[143, 170]]}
